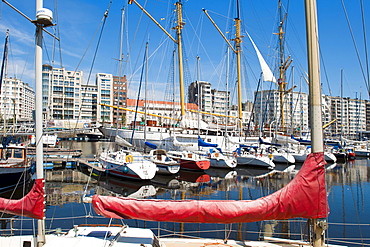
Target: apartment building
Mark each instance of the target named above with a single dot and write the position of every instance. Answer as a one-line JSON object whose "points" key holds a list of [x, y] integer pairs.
{"points": [[119, 99], [104, 83], [61, 93], [267, 110], [201, 95], [348, 116], [17, 100], [89, 102]]}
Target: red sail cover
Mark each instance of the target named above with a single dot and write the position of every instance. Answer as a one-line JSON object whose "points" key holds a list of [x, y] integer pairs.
{"points": [[31, 205], [304, 197]]}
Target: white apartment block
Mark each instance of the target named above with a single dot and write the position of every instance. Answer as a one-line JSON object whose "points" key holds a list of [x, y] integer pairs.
{"points": [[105, 95], [349, 115], [89, 102], [205, 97], [267, 110], [61, 93], [17, 100], [220, 103]]}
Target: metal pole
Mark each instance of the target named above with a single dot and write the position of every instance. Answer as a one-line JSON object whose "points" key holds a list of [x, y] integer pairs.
{"points": [[38, 114], [319, 225]]}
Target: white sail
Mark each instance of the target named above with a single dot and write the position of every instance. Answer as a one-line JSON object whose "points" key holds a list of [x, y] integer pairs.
{"points": [[266, 71], [122, 142]]}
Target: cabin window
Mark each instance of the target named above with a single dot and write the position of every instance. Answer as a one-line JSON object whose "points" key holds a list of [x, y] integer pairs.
{"points": [[18, 153], [8, 153]]}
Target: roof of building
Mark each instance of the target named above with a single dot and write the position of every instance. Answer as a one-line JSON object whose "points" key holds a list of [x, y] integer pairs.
{"points": [[132, 102]]}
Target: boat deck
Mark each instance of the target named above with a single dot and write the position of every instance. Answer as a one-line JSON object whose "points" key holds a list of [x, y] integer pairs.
{"points": [[181, 242], [274, 242]]}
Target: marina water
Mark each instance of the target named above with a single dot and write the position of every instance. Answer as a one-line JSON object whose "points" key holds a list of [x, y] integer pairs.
{"points": [[348, 190]]}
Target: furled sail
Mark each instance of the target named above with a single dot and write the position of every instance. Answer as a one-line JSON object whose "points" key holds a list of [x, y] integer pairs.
{"points": [[151, 145], [31, 205], [266, 71], [304, 197], [202, 143], [181, 144]]}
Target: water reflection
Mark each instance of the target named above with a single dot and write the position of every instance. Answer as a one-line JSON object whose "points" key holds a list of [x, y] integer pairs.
{"points": [[347, 185]]}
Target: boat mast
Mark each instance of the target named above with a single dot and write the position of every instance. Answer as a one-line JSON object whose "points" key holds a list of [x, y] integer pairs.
{"points": [[3, 71], [199, 96], [120, 60], [238, 40], [283, 65], [179, 26], [319, 225], [146, 93], [237, 50], [341, 107]]}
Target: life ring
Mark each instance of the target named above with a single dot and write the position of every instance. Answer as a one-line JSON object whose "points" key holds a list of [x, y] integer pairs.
{"points": [[235, 154], [129, 158], [216, 154]]}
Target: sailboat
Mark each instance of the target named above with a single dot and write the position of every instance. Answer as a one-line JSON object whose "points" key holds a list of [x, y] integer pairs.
{"points": [[304, 196], [15, 167], [184, 136]]}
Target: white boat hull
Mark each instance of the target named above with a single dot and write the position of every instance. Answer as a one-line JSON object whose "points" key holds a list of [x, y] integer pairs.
{"points": [[255, 161], [165, 169], [138, 168]]}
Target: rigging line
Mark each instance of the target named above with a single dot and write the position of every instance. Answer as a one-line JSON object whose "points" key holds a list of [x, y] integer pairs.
{"points": [[58, 31], [251, 117], [99, 39], [356, 48], [46, 51], [325, 72], [365, 41], [92, 39], [138, 95], [226, 17], [94, 58]]}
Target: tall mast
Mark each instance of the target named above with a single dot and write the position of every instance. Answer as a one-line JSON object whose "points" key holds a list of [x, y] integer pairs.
{"points": [[341, 107], [119, 70], [38, 116], [179, 26], [283, 65], [238, 40], [237, 50], [319, 225], [199, 95], [3, 71]]}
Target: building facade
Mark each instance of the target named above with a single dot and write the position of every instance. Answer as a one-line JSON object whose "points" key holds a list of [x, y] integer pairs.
{"points": [[347, 117], [201, 95], [17, 100], [119, 100], [89, 102], [267, 111], [61, 93], [104, 84]]}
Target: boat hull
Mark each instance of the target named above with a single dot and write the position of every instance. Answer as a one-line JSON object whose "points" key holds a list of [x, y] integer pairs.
{"points": [[136, 168], [255, 161], [167, 169], [194, 165]]}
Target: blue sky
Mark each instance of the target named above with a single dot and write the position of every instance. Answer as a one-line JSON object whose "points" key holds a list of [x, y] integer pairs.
{"points": [[78, 21]]}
